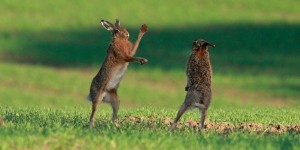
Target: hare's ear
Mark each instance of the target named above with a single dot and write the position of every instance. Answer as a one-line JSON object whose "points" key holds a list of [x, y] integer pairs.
{"points": [[118, 24], [208, 44], [107, 25]]}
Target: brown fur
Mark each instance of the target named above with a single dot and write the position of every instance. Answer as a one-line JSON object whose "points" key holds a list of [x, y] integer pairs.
{"points": [[120, 52], [199, 74]]}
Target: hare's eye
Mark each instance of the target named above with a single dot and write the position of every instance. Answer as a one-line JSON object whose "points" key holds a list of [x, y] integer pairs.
{"points": [[194, 43]]}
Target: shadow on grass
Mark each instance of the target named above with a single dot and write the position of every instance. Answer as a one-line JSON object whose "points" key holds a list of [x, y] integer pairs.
{"points": [[248, 48]]}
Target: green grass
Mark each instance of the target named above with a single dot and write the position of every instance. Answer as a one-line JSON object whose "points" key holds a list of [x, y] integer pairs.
{"points": [[44, 107], [36, 128], [38, 86], [50, 51], [65, 15]]}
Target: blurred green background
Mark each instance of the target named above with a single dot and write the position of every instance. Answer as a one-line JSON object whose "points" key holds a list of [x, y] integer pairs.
{"points": [[51, 50]]}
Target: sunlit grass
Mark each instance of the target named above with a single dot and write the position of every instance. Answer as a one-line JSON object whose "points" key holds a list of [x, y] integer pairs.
{"points": [[67, 128], [63, 14]]}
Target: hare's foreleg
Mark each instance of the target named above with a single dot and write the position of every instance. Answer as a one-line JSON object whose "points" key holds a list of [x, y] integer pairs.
{"points": [[143, 29], [136, 59], [188, 84]]}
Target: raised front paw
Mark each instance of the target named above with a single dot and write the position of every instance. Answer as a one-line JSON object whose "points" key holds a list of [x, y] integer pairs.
{"points": [[186, 88], [144, 28], [143, 61]]}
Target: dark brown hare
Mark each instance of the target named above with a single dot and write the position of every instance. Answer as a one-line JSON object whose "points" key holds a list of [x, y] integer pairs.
{"points": [[199, 74]]}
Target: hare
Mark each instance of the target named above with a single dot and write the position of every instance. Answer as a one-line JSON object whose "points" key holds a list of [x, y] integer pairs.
{"points": [[105, 84], [199, 74]]}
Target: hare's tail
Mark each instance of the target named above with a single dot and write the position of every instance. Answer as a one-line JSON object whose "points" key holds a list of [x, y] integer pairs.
{"points": [[89, 98]]}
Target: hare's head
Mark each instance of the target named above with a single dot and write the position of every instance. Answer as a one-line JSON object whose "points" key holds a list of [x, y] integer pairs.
{"points": [[201, 44], [116, 30]]}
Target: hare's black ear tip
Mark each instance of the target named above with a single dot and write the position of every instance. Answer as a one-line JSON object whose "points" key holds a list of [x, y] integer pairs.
{"points": [[102, 20]]}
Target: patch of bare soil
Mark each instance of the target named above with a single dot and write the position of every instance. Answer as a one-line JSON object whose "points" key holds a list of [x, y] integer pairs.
{"points": [[223, 128]]}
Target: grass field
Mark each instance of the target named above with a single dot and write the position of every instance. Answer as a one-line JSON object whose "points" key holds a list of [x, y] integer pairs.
{"points": [[145, 128], [50, 51]]}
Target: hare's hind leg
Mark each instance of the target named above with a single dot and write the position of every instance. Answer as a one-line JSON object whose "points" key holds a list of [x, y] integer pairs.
{"points": [[180, 112], [95, 103], [114, 101], [203, 112], [187, 104]]}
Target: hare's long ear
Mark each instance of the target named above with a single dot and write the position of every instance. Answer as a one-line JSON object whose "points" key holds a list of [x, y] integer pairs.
{"points": [[117, 24], [208, 44], [107, 25]]}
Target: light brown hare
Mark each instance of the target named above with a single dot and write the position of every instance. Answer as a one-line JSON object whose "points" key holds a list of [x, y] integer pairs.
{"points": [[199, 74], [121, 51]]}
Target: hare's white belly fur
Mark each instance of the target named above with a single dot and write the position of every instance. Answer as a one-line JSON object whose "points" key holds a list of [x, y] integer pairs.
{"points": [[113, 82], [116, 77]]}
